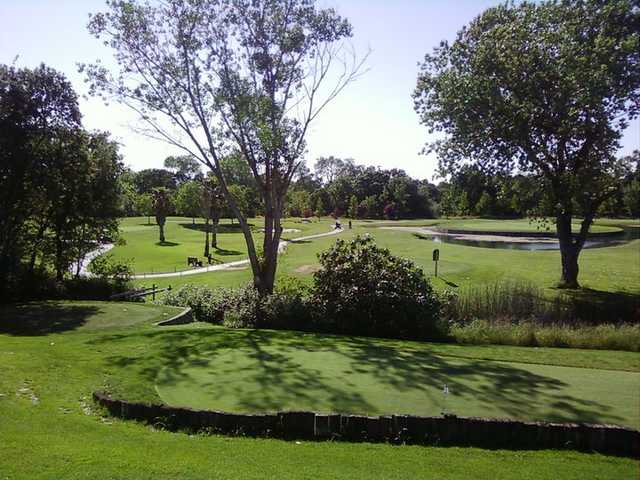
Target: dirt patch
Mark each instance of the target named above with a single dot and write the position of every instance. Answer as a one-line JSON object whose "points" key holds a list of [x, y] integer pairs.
{"points": [[306, 269]]}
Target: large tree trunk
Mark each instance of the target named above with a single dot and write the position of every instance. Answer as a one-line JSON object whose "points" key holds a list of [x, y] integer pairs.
{"points": [[570, 248], [161, 228], [214, 232], [206, 237], [265, 279]]}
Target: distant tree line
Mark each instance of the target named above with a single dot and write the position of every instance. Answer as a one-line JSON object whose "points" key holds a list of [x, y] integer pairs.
{"points": [[186, 189], [58, 182], [471, 192], [339, 187]]}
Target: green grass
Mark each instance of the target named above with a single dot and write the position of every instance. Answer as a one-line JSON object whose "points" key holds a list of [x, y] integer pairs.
{"points": [[184, 238], [519, 225], [51, 429], [264, 371], [609, 272]]}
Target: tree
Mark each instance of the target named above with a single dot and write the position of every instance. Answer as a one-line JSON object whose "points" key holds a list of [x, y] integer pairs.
{"points": [[212, 200], [149, 179], [59, 185], [128, 194], [631, 191], [216, 75], [353, 207], [188, 199], [144, 205], [185, 168], [297, 202], [161, 208], [546, 89], [36, 108], [330, 168]]}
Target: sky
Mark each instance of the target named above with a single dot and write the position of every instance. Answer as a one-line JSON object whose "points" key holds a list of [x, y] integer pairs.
{"points": [[373, 120]]}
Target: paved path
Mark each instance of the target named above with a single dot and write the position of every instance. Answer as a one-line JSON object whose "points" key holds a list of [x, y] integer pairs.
{"points": [[104, 248], [282, 246]]}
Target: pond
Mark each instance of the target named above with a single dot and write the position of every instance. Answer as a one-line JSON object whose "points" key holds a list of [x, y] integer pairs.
{"points": [[522, 241]]}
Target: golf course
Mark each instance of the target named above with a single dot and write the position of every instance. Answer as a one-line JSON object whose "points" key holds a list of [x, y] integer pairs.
{"points": [[299, 239], [612, 269]]}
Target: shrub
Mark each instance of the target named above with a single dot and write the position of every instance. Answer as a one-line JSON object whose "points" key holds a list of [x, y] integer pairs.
{"points": [[243, 307], [107, 266], [207, 305], [365, 290]]}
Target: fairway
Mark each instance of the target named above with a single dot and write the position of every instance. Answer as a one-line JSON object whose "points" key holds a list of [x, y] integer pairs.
{"points": [[364, 376], [609, 272], [185, 238]]}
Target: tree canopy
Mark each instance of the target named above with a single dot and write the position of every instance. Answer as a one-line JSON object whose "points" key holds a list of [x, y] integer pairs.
{"points": [[216, 76], [544, 89]]}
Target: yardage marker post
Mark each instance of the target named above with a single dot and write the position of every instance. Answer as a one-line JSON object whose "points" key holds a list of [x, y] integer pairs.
{"points": [[436, 257]]}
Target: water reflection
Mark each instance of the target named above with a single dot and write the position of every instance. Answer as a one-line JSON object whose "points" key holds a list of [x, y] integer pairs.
{"points": [[524, 242]]}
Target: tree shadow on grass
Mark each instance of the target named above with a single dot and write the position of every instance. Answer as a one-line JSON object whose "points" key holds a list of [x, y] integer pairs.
{"points": [[224, 252], [167, 244], [34, 319], [222, 228], [592, 306], [274, 366]]}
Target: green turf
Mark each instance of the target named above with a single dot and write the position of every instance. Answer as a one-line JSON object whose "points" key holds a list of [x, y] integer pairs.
{"points": [[519, 225], [263, 372], [41, 318], [49, 427], [184, 237], [522, 225], [610, 273]]}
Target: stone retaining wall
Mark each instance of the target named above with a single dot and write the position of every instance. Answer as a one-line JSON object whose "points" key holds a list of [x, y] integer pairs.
{"points": [[447, 430], [185, 316]]}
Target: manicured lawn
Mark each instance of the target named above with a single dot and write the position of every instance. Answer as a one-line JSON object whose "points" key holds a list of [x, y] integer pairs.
{"points": [[51, 429], [610, 272], [184, 238], [520, 225], [268, 371]]}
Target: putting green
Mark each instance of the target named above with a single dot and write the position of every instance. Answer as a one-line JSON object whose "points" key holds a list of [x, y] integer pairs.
{"points": [[356, 376]]}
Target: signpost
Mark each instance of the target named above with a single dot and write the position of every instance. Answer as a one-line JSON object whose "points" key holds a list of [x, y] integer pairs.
{"points": [[436, 257]]}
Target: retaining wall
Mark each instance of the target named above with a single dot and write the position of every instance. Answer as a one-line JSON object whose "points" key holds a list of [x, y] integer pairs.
{"points": [[185, 316], [446, 430]]}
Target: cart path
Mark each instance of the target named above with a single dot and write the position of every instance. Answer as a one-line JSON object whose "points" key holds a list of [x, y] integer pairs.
{"points": [[282, 246]]}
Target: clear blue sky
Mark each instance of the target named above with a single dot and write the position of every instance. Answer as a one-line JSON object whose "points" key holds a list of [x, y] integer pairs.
{"points": [[373, 121]]}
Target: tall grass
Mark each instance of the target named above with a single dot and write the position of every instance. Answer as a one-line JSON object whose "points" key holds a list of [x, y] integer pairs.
{"points": [[518, 313], [517, 301], [529, 334]]}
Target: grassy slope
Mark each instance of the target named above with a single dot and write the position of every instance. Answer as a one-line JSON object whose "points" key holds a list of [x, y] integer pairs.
{"points": [[186, 239], [49, 428]]}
